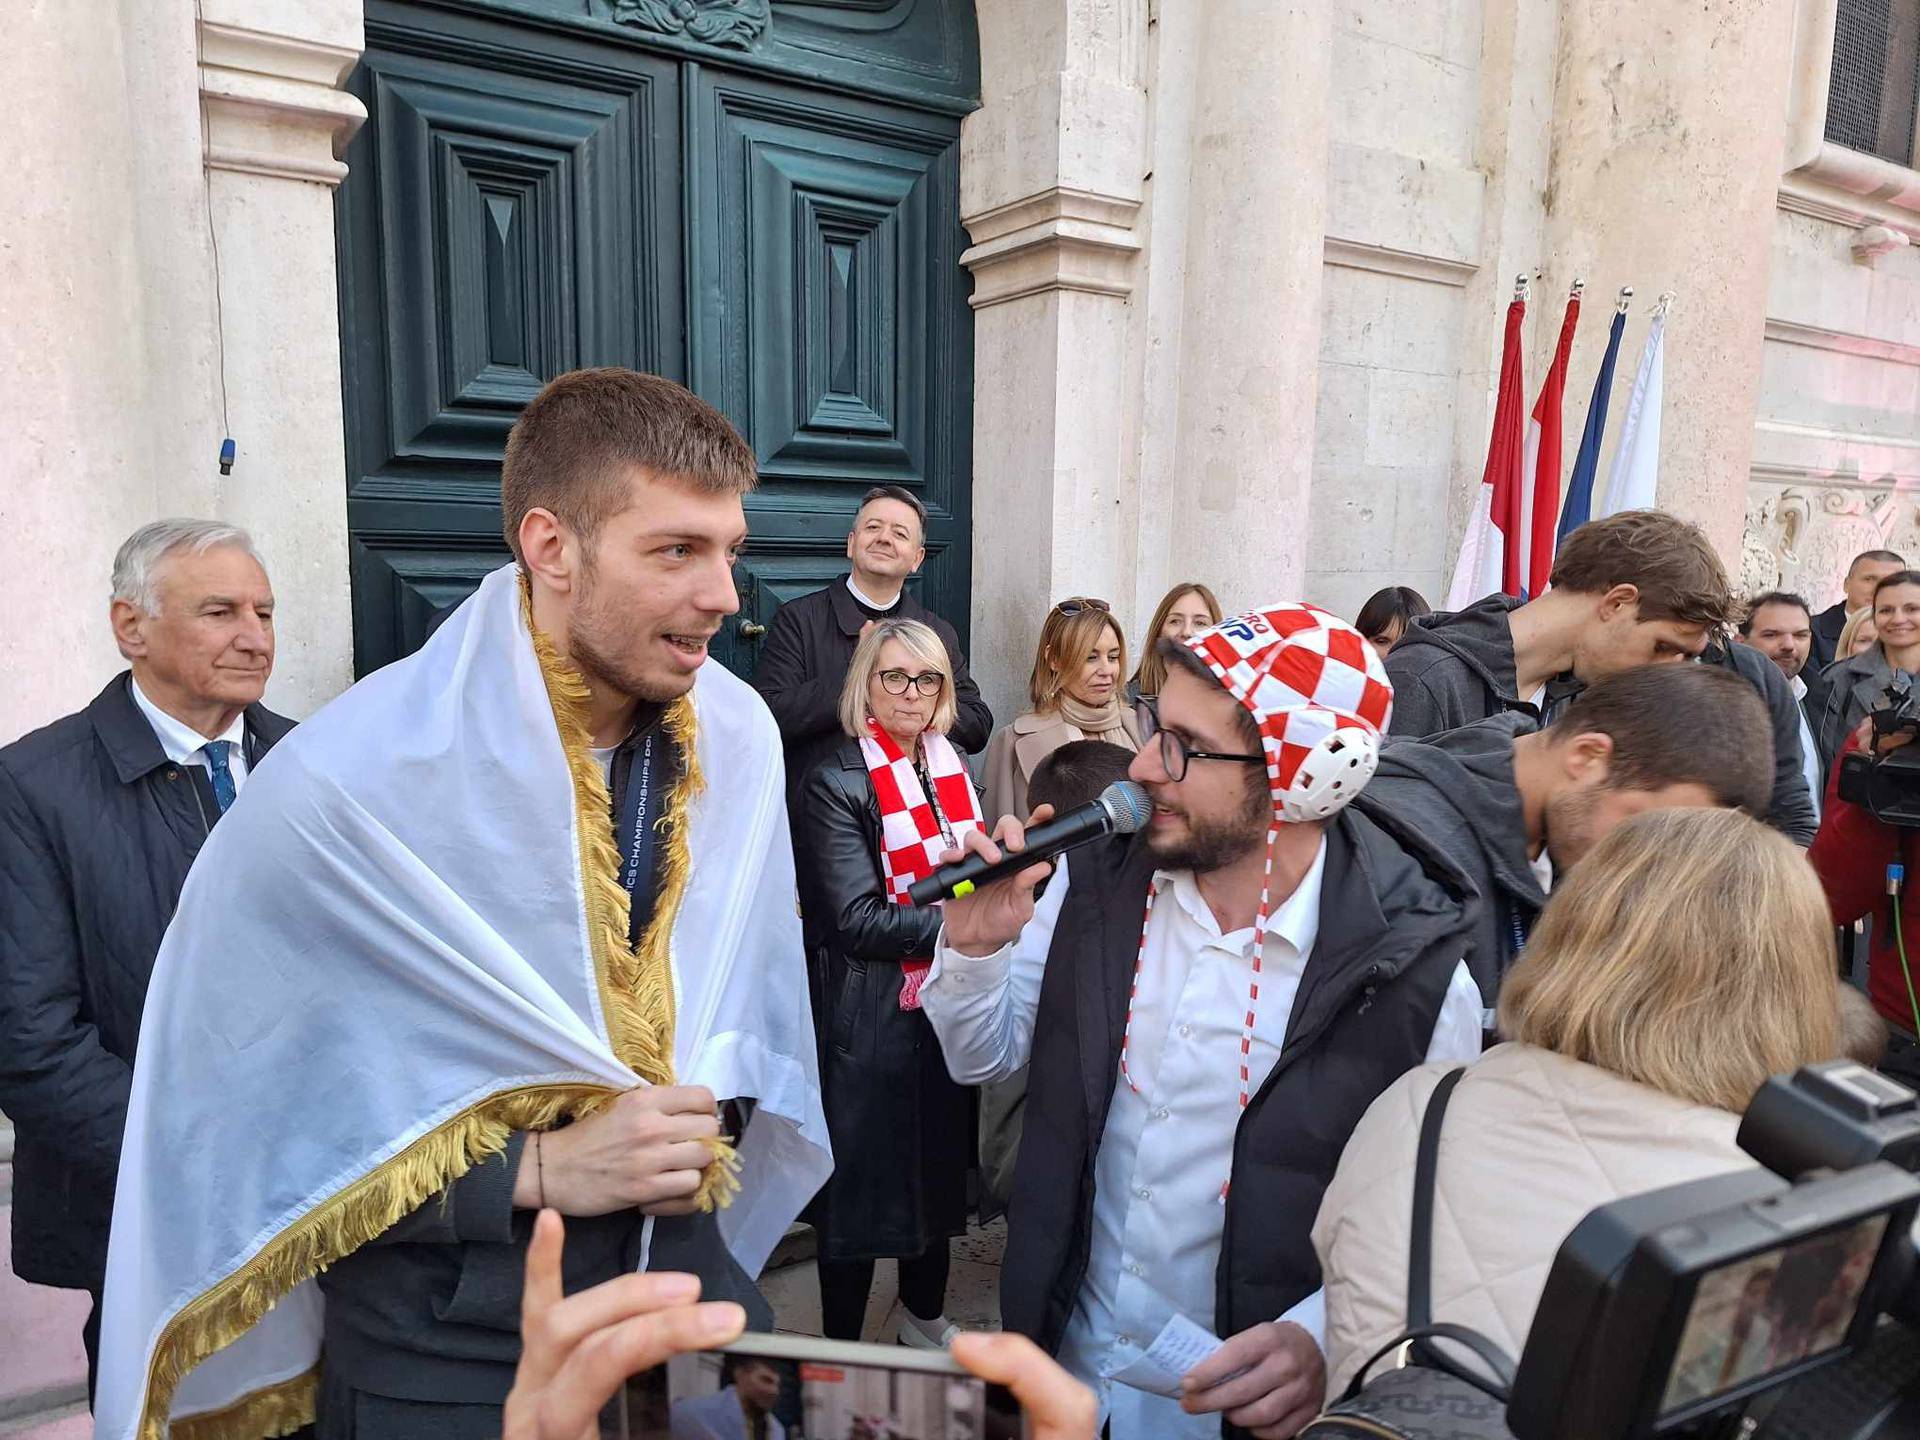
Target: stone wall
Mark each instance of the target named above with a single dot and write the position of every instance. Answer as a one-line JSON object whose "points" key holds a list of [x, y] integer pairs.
{"points": [[152, 154]]}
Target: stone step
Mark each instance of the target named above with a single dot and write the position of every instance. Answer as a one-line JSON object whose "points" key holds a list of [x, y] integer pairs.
{"points": [[43, 1366]]}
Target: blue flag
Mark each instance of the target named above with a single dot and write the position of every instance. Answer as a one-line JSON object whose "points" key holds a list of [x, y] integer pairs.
{"points": [[1579, 500]]}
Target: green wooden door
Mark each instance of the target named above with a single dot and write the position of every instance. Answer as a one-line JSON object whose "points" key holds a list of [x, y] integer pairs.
{"points": [[759, 200]]}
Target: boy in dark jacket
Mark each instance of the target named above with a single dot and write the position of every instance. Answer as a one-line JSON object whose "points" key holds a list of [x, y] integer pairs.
{"points": [[1511, 803]]}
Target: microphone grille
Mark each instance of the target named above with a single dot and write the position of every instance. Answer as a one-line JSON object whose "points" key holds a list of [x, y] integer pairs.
{"points": [[1127, 805]]}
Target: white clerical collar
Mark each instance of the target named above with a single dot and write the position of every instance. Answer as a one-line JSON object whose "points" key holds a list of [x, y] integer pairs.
{"points": [[1297, 920], [870, 603], [179, 740]]}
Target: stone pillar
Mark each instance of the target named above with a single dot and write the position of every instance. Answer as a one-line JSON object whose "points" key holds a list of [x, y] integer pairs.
{"points": [[1235, 483], [1051, 172], [1668, 127], [275, 124]]}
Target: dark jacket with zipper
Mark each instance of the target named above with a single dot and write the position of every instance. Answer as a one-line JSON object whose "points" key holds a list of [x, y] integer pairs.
{"points": [[1394, 924], [1452, 669], [1455, 669], [1457, 792], [902, 1129], [97, 831]]}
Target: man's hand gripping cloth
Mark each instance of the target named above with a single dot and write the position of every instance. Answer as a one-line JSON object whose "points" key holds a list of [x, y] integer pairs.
{"points": [[407, 940]]}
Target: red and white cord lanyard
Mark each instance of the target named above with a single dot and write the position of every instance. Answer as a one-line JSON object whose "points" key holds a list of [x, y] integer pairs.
{"points": [[1253, 992]]}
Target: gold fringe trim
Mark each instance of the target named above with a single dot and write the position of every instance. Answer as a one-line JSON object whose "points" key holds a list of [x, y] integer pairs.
{"points": [[636, 997], [275, 1411], [340, 1225], [635, 982]]}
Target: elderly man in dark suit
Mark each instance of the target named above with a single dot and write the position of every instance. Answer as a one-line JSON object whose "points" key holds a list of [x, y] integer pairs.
{"points": [[101, 814]]}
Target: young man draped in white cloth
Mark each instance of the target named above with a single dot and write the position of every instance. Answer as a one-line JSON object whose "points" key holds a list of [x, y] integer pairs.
{"points": [[492, 936]]}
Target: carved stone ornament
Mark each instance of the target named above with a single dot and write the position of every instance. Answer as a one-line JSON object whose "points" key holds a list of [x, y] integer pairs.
{"points": [[738, 23], [1803, 538]]}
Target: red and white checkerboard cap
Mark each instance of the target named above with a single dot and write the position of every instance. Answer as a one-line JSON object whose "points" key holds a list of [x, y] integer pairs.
{"points": [[1317, 690]]}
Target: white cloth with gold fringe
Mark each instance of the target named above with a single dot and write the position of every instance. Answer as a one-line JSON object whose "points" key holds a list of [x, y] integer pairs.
{"points": [[404, 941]]}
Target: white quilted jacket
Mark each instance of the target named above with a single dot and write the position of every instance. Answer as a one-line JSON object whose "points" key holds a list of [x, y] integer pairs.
{"points": [[1532, 1141]]}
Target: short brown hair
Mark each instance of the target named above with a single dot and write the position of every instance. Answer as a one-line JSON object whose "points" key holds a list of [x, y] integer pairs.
{"points": [[1669, 561], [574, 445], [1690, 951], [1685, 723], [1072, 628]]}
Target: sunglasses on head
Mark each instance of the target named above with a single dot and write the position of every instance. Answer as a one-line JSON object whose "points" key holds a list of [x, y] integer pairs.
{"points": [[1080, 603]]}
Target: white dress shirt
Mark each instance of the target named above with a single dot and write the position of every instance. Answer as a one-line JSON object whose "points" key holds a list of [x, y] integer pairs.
{"points": [[1158, 1212], [185, 745], [1810, 765]]}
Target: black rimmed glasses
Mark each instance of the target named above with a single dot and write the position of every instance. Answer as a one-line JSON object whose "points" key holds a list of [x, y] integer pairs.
{"points": [[1174, 753], [898, 682]]}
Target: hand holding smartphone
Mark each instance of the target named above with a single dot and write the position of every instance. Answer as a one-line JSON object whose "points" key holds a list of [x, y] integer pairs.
{"points": [[637, 1358]]}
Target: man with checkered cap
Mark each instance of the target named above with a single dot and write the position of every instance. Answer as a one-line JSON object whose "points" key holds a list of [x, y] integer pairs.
{"points": [[1208, 1008]]}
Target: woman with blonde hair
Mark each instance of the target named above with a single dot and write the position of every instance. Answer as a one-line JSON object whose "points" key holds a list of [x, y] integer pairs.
{"points": [[1186, 609], [877, 813], [1857, 635], [1075, 693], [1685, 959]]}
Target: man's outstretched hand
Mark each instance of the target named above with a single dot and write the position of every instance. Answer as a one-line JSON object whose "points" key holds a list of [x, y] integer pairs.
{"points": [[576, 1353]]}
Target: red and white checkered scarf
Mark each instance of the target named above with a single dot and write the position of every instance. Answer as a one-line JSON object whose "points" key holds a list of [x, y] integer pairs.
{"points": [[911, 840]]}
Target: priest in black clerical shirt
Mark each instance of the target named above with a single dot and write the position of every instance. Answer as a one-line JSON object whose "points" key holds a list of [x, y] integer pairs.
{"points": [[803, 665]]}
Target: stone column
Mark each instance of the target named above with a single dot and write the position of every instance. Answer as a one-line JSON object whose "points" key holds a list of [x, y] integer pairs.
{"points": [[1667, 135], [275, 122], [1232, 490], [1052, 167]]}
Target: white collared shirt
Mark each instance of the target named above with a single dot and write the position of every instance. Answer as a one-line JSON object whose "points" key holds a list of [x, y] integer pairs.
{"points": [[1166, 1151], [1810, 765], [870, 603], [185, 745]]}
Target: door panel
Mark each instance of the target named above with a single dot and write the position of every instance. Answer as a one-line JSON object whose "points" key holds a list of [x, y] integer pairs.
{"points": [[543, 186], [830, 323], [514, 213]]}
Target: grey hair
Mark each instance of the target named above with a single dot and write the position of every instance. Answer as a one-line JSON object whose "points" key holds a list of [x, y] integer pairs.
{"points": [[137, 563]]}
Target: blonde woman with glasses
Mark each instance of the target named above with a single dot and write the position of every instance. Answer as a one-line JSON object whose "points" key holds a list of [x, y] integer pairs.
{"points": [[877, 814], [1075, 690], [1685, 959]]}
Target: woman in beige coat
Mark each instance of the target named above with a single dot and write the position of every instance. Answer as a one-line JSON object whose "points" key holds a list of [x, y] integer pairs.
{"points": [[1684, 960], [1075, 690]]}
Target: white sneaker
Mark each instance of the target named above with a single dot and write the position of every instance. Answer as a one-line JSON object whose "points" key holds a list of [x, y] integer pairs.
{"points": [[918, 1334]]}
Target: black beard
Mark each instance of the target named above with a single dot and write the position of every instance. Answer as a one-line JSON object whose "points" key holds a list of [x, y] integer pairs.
{"points": [[1216, 844]]}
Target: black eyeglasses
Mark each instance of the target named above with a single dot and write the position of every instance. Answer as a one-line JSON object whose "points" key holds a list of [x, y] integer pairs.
{"points": [[897, 682], [1174, 753], [1080, 603]]}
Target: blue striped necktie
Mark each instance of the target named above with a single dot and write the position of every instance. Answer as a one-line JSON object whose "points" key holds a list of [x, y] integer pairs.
{"points": [[223, 790]]}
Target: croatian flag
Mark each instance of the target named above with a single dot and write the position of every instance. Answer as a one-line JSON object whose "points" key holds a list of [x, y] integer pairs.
{"points": [[1636, 464], [1586, 465], [1540, 508], [1493, 530]]}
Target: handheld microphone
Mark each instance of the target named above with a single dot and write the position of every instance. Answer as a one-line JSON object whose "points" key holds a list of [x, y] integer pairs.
{"points": [[1122, 808]]}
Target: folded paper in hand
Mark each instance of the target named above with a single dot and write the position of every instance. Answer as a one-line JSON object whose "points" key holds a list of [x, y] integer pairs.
{"points": [[1179, 1347]]}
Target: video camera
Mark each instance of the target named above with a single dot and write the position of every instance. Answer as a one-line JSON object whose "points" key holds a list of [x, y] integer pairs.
{"points": [[1703, 1309], [1887, 782]]}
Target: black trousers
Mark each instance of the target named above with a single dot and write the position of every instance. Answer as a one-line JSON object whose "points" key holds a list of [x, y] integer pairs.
{"points": [[845, 1286]]}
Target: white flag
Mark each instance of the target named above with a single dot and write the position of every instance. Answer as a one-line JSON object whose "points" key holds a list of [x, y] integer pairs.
{"points": [[1634, 479]]}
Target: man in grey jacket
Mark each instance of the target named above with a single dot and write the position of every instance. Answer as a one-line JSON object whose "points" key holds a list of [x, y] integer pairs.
{"points": [[1511, 803], [1638, 588]]}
